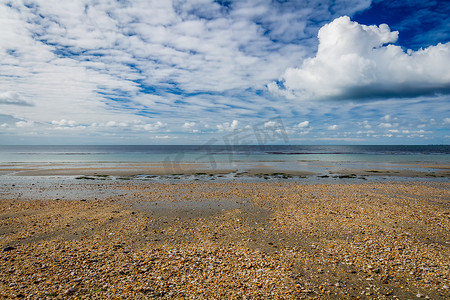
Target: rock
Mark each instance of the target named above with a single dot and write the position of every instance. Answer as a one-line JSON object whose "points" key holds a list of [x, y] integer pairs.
{"points": [[419, 295], [9, 248]]}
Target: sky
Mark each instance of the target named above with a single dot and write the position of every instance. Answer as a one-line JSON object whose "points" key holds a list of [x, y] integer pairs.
{"points": [[205, 72]]}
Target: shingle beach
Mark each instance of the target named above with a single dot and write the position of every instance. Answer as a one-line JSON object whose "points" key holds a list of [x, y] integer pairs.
{"points": [[226, 240]]}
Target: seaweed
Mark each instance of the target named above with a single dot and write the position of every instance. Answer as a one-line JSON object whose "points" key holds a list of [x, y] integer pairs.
{"points": [[347, 176], [85, 177]]}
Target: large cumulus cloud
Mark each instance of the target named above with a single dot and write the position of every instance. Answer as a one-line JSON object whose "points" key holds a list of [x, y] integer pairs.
{"points": [[355, 61]]}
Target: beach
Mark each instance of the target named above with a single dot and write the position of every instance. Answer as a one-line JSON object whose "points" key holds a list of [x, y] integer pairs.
{"points": [[112, 235]]}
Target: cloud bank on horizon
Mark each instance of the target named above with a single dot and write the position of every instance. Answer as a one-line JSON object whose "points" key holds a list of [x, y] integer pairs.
{"points": [[184, 71]]}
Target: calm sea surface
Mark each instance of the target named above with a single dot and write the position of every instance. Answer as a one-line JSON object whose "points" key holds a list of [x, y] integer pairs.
{"points": [[435, 154]]}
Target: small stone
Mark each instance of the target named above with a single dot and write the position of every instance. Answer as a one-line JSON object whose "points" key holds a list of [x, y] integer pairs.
{"points": [[419, 295], [70, 291], [9, 248]]}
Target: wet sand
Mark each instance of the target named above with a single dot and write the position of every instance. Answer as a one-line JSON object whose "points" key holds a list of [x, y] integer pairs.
{"points": [[265, 170], [224, 240]]}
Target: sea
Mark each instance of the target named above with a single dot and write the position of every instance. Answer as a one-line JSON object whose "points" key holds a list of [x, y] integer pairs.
{"points": [[219, 154]]}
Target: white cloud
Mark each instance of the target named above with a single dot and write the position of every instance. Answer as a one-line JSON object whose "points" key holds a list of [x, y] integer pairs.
{"points": [[189, 125], [355, 61], [275, 126], [385, 125], [341, 139], [13, 98], [447, 121], [387, 118], [111, 124], [25, 124], [332, 127], [272, 124], [303, 124], [152, 127], [64, 123], [367, 132], [227, 127]]}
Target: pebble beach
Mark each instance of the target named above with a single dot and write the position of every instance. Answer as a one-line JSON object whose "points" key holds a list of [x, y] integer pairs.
{"points": [[225, 240]]}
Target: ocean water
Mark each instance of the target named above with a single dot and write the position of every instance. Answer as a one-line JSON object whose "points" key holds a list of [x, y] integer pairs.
{"points": [[223, 154]]}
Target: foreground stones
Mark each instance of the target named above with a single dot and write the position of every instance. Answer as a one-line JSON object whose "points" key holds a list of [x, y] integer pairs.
{"points": [[231, 241]]}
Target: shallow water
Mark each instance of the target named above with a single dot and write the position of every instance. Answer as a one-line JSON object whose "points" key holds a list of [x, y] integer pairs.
{"points": [[220, 154]]}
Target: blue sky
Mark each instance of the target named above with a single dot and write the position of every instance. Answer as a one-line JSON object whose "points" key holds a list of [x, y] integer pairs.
{"points": [[196, 71]]}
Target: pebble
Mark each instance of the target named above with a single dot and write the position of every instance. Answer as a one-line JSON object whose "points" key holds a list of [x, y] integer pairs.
{"points": [[227, 254], [70, 291]]}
